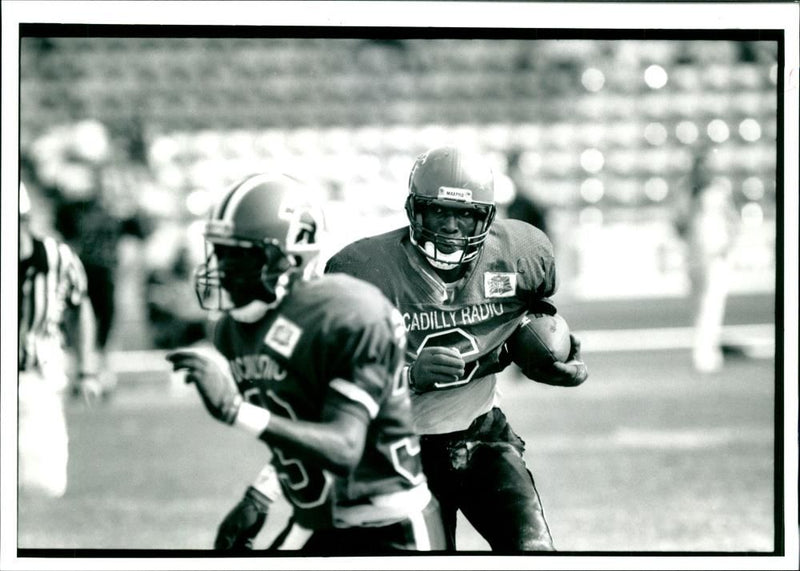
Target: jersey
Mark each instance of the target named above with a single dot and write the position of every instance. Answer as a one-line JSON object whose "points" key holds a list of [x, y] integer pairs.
{"points": [[476, 315], [335, 341], [51, 281]]}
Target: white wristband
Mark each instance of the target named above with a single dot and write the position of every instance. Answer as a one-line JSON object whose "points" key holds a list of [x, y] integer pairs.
{"points": [[252, 419]]}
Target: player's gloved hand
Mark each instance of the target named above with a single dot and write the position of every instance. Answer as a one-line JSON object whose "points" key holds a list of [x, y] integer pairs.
{"points": [[436, 368], [571, 373], [242, 524], [217, 389]]}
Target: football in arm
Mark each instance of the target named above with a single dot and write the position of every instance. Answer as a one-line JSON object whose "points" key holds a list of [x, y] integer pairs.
{"points": [[539, 341]]}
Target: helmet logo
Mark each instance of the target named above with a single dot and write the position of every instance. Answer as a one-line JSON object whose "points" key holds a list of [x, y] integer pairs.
{"points": [[293, 205], [287, 208], [450, 193], [304, 220]]}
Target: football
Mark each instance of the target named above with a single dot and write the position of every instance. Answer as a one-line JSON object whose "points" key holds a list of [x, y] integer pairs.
{"points": [[539, 341]]}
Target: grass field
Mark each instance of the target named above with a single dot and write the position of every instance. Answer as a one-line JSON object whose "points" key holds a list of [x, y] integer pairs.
{"points": [[647, 456]]}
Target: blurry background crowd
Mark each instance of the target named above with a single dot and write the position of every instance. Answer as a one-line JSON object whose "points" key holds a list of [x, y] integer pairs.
{"points": [[127, 141]]}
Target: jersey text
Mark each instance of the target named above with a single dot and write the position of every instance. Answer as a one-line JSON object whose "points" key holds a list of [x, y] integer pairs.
{"points": [[432, 320], [257, 367]]}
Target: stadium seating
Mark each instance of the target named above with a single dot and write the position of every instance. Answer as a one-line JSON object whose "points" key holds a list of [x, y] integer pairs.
{"points": [[610, 125]]}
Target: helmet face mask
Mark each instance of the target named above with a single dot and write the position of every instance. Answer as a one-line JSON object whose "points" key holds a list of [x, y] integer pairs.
{"points": [[450, 178], [262, 236], [442, 249]]}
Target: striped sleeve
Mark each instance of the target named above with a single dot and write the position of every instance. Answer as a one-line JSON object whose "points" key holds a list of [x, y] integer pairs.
{"points": [[55, 280], [357, 394], [71, 275]]}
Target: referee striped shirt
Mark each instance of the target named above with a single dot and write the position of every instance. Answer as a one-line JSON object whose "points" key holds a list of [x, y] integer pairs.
{"points": [[50, 280]]}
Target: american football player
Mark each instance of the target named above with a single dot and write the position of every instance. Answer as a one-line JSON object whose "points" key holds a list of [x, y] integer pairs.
{"points": [[463, 281], [315, 372]]}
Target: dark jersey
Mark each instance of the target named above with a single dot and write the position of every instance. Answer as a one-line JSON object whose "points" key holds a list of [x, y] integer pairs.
{"points": [[333, 340], [476, 315]]}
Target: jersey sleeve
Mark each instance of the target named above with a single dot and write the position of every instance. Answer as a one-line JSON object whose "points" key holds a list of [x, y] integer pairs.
{"points": [[536, 264], [72, 276], [366, 359], [336, 263], [349, 260], [361, 259]]}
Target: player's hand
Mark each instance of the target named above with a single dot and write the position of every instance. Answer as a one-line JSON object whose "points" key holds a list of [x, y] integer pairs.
{"points": [[436, 366], [217, 389], [88, 389], [571, 373], [242, 524]]}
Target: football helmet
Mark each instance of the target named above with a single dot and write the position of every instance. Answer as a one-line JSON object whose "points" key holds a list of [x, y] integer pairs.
{"points": [[450, 177], [262, 235]]}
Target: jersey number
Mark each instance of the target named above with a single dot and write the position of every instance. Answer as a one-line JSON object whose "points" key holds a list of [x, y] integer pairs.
{"points": [[405, 460], [458, 339], [305, 488]]}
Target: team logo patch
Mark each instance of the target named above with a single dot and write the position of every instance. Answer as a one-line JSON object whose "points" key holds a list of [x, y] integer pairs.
{"points": [[499, 284], [450, 193], [283, 336]]}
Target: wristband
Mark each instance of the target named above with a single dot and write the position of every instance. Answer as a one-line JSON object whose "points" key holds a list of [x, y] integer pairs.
{"points": [[252, 419]]}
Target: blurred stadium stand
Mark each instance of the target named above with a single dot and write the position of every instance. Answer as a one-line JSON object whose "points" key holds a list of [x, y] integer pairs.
{"points": [[606, 130]]}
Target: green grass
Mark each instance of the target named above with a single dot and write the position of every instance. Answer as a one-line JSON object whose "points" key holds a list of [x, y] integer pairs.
{"points": [[646, 456]]}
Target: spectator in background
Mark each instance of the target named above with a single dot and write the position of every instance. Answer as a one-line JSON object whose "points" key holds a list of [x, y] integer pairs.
{"points": [[95, 207], [524, 207], [52, 301], [708, 221], [94, 232]]}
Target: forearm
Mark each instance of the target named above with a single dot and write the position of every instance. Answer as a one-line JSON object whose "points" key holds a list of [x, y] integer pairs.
{"points": [[321, 444], [326, 444], [335, 443], [82, 333]]}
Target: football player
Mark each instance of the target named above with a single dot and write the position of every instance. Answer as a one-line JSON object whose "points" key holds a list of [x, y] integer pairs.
{"points": [[463, 281], [315, 372]]}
